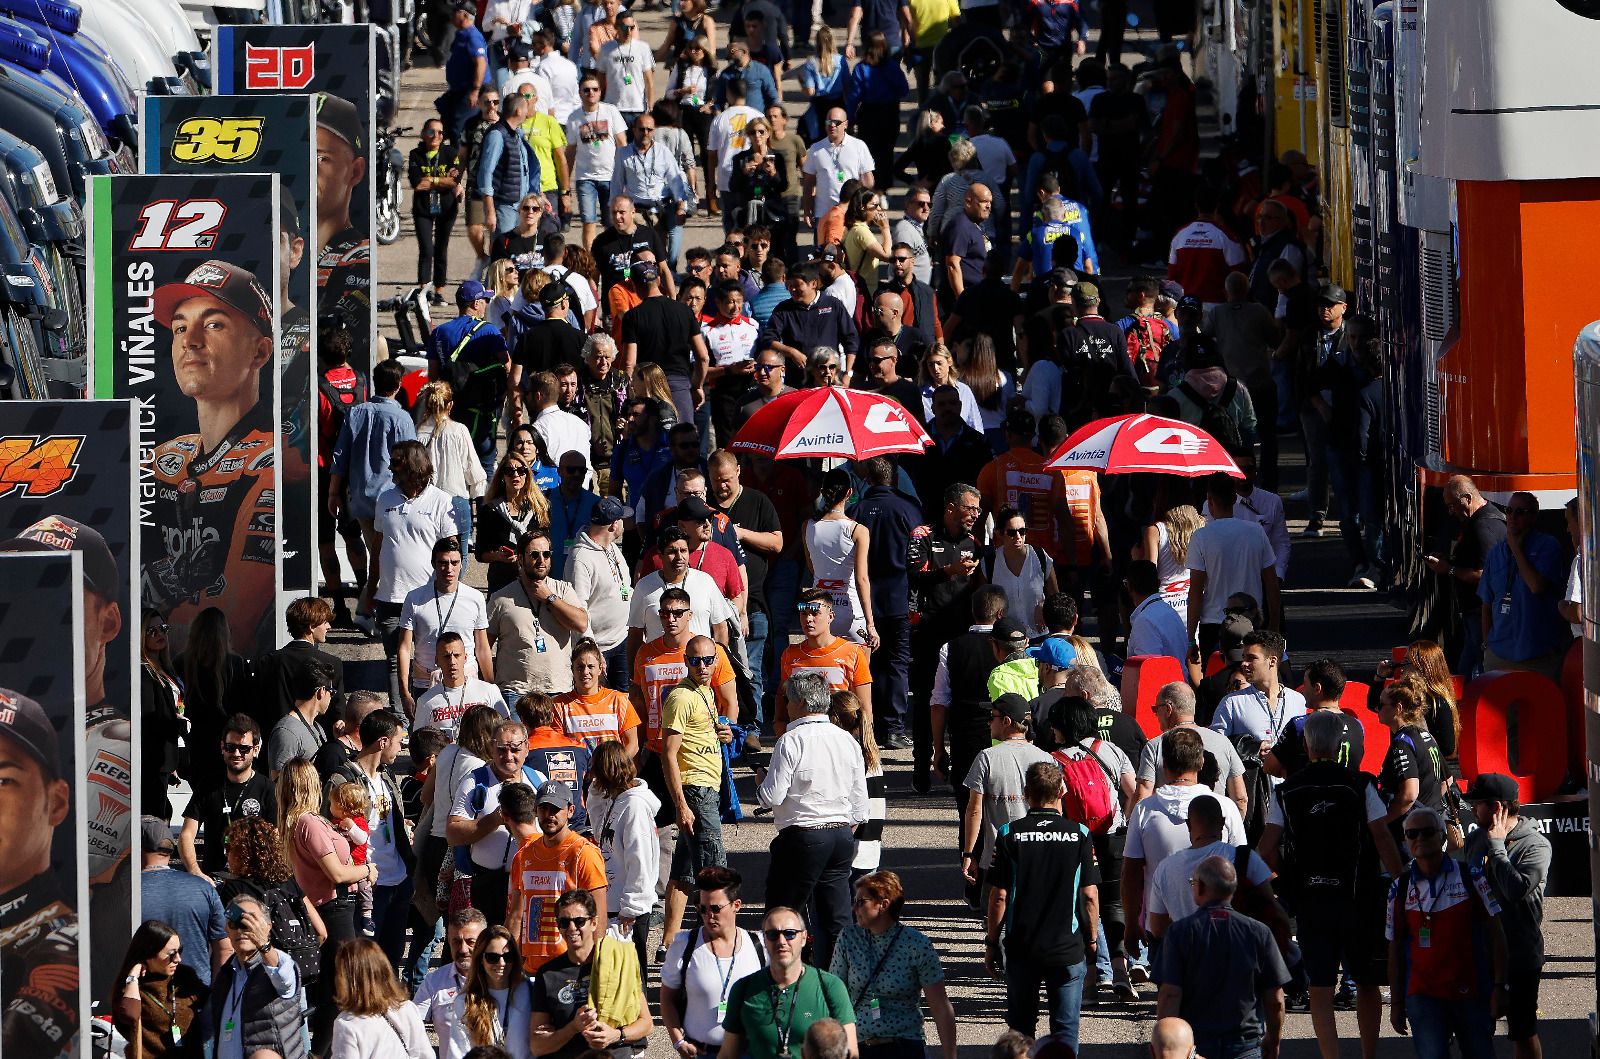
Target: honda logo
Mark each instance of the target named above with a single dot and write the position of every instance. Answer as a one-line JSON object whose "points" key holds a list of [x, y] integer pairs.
{"points": [[278, 69]]}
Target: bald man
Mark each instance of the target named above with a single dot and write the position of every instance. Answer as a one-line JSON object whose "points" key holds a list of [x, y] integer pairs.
{"points": [[1480, 526], [1171, 1039], [966, 247]]}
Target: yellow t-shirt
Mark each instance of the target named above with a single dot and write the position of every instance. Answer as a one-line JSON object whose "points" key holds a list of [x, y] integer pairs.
{"points": [[691, 712], [547, 137], [856, 241]]}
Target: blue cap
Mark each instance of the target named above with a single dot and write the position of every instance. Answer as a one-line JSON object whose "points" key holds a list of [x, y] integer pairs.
{"points": [[470, 291], [1055, 652], [607, 511]]}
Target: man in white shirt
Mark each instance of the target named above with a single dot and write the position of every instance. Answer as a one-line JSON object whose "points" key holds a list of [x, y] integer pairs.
{"points": [[436, 996], [598, 573], [711, 608], [1265, 708], [594, 132], [817, 789], [832, 160], [442, 605], [559, 71], [443, 705], [997, 163], [727, 136], [561, 432], [836, 281], [1172, 895], [1228, 555], [475, 818], [629, 68], [1264, 508], [1154, 626]]}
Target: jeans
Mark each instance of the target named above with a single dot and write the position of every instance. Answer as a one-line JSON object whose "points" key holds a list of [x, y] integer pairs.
{"points": [[419, 961], [454, 110], [1102, 957], [391, 913], [891, 671], [755, 649], [1315, 429], [617, 678], [505, 217], [339, 919], [704, 848], [486, 447], [1360, 510], [461, 512], [433, 247], [594, 196], [682, 397], [809, 863], [1470, 664], [1063, 997], [1434, 1022]]}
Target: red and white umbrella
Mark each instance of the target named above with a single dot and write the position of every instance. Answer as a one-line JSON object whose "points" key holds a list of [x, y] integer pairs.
{"points": [[831, 421], [1144, 444]]}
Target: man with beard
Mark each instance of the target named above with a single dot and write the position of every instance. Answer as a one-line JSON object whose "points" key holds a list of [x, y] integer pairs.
{"points": [[216, 488], [344, 262], [39, 963], [244, 793]]}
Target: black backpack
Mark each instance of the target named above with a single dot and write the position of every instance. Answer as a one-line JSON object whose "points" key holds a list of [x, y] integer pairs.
{"points": [[1215, 419], [1257, 786], [1316, 863], [291, 931]]}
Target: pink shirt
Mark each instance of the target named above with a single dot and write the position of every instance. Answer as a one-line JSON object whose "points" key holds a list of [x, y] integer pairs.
{"points": [[314, 838]]}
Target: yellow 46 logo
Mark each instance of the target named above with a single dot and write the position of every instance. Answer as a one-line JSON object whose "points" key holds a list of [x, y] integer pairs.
{"points": [[216, 140]]}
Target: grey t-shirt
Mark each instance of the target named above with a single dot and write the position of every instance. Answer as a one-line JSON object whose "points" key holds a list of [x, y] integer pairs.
{"points": [[292, 737], [1217, 745], [1000, 775]]}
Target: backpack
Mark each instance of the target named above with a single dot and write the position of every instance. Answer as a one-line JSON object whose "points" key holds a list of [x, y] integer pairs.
{"points": [[341, 389], [1059, 165], [482, 779], [693, 943], [1215, 419], [1319, 866], [291, 932], [457, 372], [1087, 788], [1147, 337], [1257, 786]]}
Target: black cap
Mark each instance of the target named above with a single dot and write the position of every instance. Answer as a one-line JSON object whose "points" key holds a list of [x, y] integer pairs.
{"points": [[57, 533], [23, 721], [1020, 421], [1063, 278], [1012, 707], [833, 253], [1493, 787], [1011, 633], [607, 511], [692, 509], [553, 294], [339, 116], [1332, 294], [1230, 641], [520, 49], [229, 284]]}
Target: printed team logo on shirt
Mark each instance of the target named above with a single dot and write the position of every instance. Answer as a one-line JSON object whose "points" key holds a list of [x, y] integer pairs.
{"points": [[550, 883], [1027, 482], [592, 723], [834, 675]]}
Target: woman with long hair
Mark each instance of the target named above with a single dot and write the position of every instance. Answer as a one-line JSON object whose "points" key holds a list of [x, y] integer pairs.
{"points": [[1425, 660], [939, 369], [690, 25], [867, 239], [991, 387], [928, 153], [1403, 709], [512, 507], [161, 708], [1166, 543], [845, 711], [376, 1018], [836, 554], [158, 998], [622, 815], [473, 748], [650, 381], [413, 514], [873, 95], [822, 81], [456, 466], [897, 987], [502, 283], [213, 675], [760, 174], [619, 1017], [494, 1004], [526, 442], [689, 85], [1025, 572]]}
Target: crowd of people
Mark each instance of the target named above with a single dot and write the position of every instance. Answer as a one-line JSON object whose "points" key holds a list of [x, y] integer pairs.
{"points": [[515, 847]]}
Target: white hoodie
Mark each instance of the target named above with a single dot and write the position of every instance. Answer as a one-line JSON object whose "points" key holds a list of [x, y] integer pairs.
{"points": [[626, 831], [1159, 826]]}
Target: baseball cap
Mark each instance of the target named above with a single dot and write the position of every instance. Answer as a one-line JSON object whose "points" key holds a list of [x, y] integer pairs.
{"points": [[554, 793], [339, 116], [1010, 632], [231, 285], [1086, 294], [1012, 707], [1020, 421], [692, 509], [58, 533], [521, 49], [1171, 288], [23, 721], [1493, 787], [553, 294], [832, 253], [1189, 303], [155, 835], [288, 215], [1054, 652], [470, 291], [1235, 627], [1332, 294], [645, 271], [607, 511], [1063, 278]]}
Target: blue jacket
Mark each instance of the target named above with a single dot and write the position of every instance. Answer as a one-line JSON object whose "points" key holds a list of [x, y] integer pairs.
{"points": [[361, 455], [468, 47], [761, 91], [499, 173], [889, 516], [884, 83]]}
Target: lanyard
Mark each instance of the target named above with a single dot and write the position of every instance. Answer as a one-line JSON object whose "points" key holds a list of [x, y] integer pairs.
{"points": [[1433, 891], [443, 615], [235, 998], [873, 977], [170, 1006], [316, 733], [727, 977], [1274, 723], [786, 1027], [502, 1028]]}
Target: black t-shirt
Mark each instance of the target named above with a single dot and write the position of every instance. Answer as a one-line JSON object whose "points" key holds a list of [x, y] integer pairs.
{"points": [[662, 329], [216, 810], [523, 250], [1122, 731], [614, 250], [1290, 750], [560, 989], [904, 392], [1119, 119], [1413, 754], [1064, 103], [989, 307], [1485, 529], [546, 344], [755, 513], [331, 756], [1041, 876]]}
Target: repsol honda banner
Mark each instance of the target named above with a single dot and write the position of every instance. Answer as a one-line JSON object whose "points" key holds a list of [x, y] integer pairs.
{"points": [[337, 65], [272, 134], [186, 324], [44, 996], [66, 485]]}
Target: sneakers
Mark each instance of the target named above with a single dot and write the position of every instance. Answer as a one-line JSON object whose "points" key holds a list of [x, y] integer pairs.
{"points": [[1313, 528], [1345, 998], [1125, 992], [366, 624], [1138, 974], [1364, 578], [1297, 1003], [897, 741]]}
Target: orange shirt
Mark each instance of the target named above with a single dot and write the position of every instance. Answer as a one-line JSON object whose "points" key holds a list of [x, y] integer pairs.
{"points": [[1081, 490], [1017, 478], [619, 300], [539, 875], [830, 228], [843, 663], [657, 668], [598, 718]]}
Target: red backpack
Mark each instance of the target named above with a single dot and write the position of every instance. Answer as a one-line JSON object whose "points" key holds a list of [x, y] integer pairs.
{"points": [[1147, 336], [1087, 795]]}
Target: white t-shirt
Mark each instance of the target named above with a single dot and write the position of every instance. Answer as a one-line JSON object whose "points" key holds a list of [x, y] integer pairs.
{"points": [[1574, 592], [562, 74], [1232, 552], [731, 342], [595, 134], [428, 613], [843, 288], [624, 67], [710, 979], [578, 285], [442, 708], [832, 166], [410, 529], [994, 157], [1158, 827], [1170, 892], [727, 139], [709, 604], [494, 850], [562, 432]]}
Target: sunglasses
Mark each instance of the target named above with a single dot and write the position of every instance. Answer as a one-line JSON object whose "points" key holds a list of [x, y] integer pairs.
{"points": [[902, 259], [159, 627], [496, 957], [1520, 511], [1421, 832], [676, 612], [432, 132], [1015, 531], [712, 910], [761, 246], [700, 660], [765, 369], [516, 472], [532, 207], [880, 360], [238, 748], [772, 934], [834, 123], [532, 554], [572, 921], [813, 607], [175, 954], [589, 88]]}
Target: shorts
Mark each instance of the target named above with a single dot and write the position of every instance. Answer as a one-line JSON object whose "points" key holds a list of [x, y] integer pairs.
{"points": [[704, 848], [1331, 933], [475, 211], [1522, 1006], [593, 197], [327, 525]]}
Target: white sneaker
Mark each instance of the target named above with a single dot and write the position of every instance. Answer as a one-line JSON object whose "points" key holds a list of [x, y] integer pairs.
{"points": [[1366, 578]]}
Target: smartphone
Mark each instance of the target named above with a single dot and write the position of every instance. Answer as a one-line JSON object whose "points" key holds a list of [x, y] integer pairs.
{"points": [[234, 915]]}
